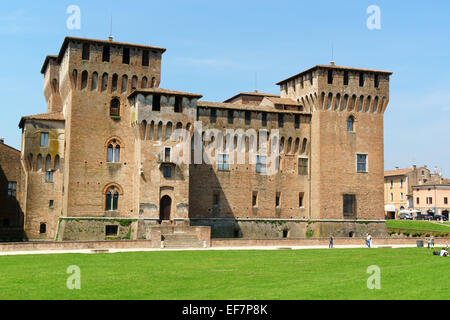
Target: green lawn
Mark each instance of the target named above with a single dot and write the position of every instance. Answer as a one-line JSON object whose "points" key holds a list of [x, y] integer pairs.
{"points": [[412, 273], [417, 225]]}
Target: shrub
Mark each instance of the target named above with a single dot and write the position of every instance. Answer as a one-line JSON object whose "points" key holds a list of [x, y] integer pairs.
{"points": [[417, 234], [406, 233], [309, 233]]}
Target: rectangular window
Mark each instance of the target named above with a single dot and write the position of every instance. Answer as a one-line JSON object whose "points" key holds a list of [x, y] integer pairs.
{"points": [[216, 199], [42, 228], [222, 163], [111, 230], [178, 104], [278, 199], [230, 116], [361, 79], [303, 166], [345, 78], [167, 154], [377, 81], [50, 204], [330, 76], [247, 117], [264, 119], [418, 200], [349, 201], [86, 51], [260, 164], [44, 139], [12, 189], [361, 160], [429, 200], [255, 199], [445, 200], [401, 183], [167, 171], [126, 56], [145, 58], [49, 176], [106, 54], [156, 103], [213, 115], [297, 121], [392, 184], [280, 120], [300, 199]]}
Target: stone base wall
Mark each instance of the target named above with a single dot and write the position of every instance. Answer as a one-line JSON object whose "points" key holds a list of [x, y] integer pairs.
{"points": [[279, 229], [94, 229]]}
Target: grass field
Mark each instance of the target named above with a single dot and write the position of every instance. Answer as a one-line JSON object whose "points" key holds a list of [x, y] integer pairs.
{"points": [[412, 273], [417, 225]]}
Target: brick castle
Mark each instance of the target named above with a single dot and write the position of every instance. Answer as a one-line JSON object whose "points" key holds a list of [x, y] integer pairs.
{"points": [[103, 161]]}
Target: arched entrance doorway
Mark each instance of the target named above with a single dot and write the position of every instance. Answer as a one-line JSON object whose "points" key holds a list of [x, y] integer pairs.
{"points": [[445, 213], [165, 207]]}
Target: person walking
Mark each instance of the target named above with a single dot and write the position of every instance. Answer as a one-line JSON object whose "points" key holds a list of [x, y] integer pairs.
{"points": [[369, 239], [432, 242], [330, 245], [427, 239]]}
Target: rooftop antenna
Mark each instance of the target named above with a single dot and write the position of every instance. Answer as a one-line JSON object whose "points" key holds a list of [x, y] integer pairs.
{"points": [[110, 29], [332, 54]]}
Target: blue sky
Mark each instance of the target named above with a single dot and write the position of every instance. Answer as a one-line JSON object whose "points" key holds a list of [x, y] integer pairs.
{"points": [[216, 47]]}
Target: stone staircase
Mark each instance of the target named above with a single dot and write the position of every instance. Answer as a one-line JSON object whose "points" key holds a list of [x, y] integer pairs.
{"points": [[181, 240]]}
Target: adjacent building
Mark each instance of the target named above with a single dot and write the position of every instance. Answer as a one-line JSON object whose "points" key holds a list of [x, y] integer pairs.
{"points": [[432, 198]]}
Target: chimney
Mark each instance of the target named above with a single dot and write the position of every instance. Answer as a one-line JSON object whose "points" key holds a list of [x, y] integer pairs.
{"points": [[396, 168], [332, 63], [110, 38], [256, 90]]}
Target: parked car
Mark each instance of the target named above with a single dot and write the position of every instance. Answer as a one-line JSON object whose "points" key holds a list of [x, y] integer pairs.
{"points": [[440, 218], [427, 217], [405, 216]]}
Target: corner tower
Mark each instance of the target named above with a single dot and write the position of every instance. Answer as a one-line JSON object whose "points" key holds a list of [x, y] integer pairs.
{"points": [[347, 157]]}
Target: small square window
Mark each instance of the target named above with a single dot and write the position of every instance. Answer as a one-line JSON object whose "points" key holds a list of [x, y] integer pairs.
{"points": [[145, 58], [12, 189], [278, 199], [349, 205], [255, 199], [43, 228], [303, 166], [44, 139], [216, 199], [222, 163], [51, 204], [111, 230], [167, 171], [126, 56], [49, 176], [300, 199], [361, 162]]}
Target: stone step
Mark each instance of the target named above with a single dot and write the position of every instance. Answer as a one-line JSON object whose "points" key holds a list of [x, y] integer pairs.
{"points": [[174, 244], [179, 237]]}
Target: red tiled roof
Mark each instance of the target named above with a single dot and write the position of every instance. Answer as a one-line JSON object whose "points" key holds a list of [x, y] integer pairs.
{"points": [[255, 94], [164, 91], [53, 116], [249, 107], [284, 101], [398, 172]]}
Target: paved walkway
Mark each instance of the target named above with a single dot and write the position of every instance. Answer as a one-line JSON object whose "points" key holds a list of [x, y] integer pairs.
{"points": [[94, 251]]}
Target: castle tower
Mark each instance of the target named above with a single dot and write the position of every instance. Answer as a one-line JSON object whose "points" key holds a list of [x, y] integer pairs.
{"points": [[347, 159]]}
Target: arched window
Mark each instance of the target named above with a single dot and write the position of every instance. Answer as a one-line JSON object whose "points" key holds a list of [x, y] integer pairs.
{"points": [[304, 145], [152, 129], [104, 82], [124, 83], [375, 105], [144, 83], [159, 133], [94, 81], [144, 130], [114, 109], [337, 102], [330, 99], [55, 85], [30, 161], [84, 80], [360, 105], [153, 85], [297, 145], [57, 163], [344, 103], [48, 163], [350, 124], [75, 78], [39, 163], [168, 130], [322, 99], [369, 100], [112, 194], [114, 82], [113, 151], [134, 83], [289, 145], [281, 145]]}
